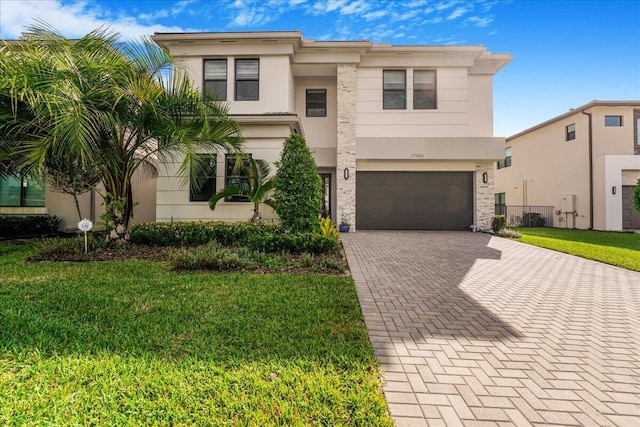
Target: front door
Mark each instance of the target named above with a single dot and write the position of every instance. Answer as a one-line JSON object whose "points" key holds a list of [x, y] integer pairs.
{"points": [[326, 194], [630, 216]]}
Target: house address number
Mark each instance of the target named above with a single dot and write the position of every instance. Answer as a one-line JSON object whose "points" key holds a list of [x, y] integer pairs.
{"points": [[417, 156]]}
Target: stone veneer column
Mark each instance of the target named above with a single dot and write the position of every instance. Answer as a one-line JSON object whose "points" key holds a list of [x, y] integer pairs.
{"points": [[346, 148], [485, 195]]}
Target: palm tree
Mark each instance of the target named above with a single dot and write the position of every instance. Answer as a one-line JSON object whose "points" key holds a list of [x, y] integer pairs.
{"points": [[116, 106], [257, 189]]}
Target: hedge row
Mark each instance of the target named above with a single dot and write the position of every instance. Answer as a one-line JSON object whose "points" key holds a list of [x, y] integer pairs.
{"points": [[263, 237], [30, 225]]}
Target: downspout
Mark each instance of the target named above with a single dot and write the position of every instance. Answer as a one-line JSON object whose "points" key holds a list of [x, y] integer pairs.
{"points": [[92, 208], [590, 171]]}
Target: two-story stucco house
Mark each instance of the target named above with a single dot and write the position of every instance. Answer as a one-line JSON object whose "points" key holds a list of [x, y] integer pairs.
{"points": [[585, 163], [402, 135]]}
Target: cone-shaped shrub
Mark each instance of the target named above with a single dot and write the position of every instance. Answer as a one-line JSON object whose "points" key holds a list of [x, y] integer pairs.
{"points": [[298, 188]]}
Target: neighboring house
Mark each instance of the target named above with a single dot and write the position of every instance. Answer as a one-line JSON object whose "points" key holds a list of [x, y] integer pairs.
{"points": [[31, 196], [585, 163], [402, 135]]}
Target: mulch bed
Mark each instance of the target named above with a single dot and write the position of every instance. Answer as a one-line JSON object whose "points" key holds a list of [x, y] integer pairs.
{"points": [[154, 253]]}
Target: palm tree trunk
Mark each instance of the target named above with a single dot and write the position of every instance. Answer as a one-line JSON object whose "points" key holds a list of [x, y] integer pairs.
{"points": [[75, 199], [256, 213]]}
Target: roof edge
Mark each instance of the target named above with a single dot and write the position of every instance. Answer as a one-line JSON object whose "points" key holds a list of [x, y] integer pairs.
{"points": [[577, 110]]}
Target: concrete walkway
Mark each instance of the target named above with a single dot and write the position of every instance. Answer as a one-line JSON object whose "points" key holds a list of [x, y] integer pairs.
{"points": [[477, 330]]}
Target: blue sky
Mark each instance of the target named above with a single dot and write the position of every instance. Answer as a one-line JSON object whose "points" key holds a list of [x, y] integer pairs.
{"points": [[566, 53]]}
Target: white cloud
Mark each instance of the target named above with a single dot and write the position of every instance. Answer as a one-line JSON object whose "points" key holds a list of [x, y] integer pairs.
{"points": [[374, 15], [479, 21], [458, 12], [358, 6], [73, 19]]}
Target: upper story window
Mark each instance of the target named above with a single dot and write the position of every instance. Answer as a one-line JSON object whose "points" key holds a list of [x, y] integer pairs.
{"points": [[203, 184], [247, 79], [424, 89], [316, 102], [21, 191], [507, 159], [571, 132], [613, 120], [237, 174], [215, 78], [394, 90]]}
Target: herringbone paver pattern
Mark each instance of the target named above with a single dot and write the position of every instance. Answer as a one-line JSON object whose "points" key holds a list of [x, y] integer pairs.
{"points": [[481, 331]]}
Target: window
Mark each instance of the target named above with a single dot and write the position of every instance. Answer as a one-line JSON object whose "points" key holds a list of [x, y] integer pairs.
{"points": [[204, 185], [247, 77], [424, 90], [507, 159], [394, 90], [500, 204], [571, 132], [21, 191], [215, 78], [613, 120], [316, 102], [238, 175]]}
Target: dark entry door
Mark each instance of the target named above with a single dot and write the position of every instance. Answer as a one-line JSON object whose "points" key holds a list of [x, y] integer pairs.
{"points": [[414, 200], [630, 216]]}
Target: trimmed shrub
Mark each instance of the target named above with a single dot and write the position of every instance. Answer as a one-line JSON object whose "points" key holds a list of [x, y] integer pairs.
{"points": [[635, 196], [211, 256], [498, 223], [298, 187], [511, 234], [30, 225], [262, 237], [532, 219]]}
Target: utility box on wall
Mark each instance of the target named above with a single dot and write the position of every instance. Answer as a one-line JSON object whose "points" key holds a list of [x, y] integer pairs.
{"points": [[569, 203]]}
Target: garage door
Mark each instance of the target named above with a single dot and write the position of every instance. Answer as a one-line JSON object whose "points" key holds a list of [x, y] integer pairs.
{"points": [[414, 200], [630, 216]]}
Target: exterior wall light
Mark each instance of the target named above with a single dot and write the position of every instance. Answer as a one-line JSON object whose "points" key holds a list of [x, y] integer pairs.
{"points": [[613, 190], [346, 173], [485, 177]]}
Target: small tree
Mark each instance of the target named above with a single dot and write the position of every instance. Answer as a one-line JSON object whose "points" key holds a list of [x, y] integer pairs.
{"points": [[298, 187], [257, 189], [635, 197]]}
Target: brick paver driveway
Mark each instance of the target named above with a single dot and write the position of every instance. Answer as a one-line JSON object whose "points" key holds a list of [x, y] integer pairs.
{"points": [[477, 330]]}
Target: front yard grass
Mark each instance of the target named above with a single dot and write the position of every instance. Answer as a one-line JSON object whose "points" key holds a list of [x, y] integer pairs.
{"points": [[620, 249], [130, 343]]}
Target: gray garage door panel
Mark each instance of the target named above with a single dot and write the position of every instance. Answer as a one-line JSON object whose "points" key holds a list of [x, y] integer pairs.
{"points": [[414, 200]]}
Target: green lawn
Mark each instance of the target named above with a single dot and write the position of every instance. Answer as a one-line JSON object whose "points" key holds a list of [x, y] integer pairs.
{"points": [[129, 343], [621, 249]]}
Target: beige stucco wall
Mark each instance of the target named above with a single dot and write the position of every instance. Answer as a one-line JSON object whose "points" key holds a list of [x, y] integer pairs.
{"points": [[262, 141], [546, 167], [275, 82], [450, 119], [63, 206], [320, 132]]}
